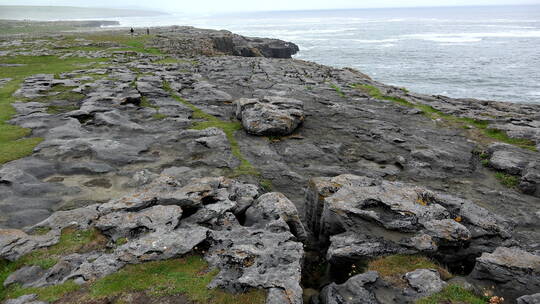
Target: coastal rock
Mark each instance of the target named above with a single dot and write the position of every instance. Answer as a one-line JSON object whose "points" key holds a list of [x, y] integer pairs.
{"points": [[425, 281], [26, 299], [351, 246], [273, 211], [529, 299], [189, 40], [340, 208], [357, 290], [518, 162], [270, 115], [169, 219], [515, 272], [127, 224], [16, 243]]}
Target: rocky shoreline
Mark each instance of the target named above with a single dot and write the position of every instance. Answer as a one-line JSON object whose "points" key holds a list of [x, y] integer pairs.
{"points": [[288, 181]]}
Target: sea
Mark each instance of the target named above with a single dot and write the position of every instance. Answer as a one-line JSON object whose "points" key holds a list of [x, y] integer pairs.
{"points": [[488, 52]]}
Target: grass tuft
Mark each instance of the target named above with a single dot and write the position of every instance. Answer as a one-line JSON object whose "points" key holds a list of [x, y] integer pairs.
{"points": [[188, 276], [507, 180], [338, 90], [453, 294], [392, 268]]}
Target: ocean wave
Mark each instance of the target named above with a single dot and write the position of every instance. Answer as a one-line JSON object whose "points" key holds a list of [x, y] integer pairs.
{"points": [[471, 37], [374, 40]]}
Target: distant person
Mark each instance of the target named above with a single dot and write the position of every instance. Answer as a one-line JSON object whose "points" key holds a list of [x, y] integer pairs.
{"points": [[147, 31], [132, 31]]}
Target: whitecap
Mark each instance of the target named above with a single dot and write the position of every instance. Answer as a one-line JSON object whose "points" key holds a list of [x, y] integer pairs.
{"points": [[374, 40]]}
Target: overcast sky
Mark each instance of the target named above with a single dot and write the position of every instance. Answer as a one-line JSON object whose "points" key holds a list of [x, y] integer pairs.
{"points": [[216, 6]]}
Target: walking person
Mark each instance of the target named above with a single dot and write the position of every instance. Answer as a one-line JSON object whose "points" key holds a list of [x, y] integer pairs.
{"points": [[132, 31]]}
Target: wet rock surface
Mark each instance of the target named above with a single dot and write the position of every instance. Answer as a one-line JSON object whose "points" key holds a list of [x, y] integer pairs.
{"points": [[138, 148]]}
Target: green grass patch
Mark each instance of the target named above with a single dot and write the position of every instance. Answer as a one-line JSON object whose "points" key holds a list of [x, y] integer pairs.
{"points": [[507, 180], [463, 122], [228, 127], [338, 90], [453, 294], [134, 43], [71, 241], [49, 293], [501, 136], [266, 184], [13, 144], [146, 103], [393, 267], [188, 276]]}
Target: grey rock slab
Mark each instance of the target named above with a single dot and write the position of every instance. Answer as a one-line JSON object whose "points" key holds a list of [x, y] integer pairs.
{"points": [[161, 245], [447, 231], [529, 299], [25, 276], [25, 299], [275, 206], [249, 257], [271, 115], [514, 272], [355, 246], [129, 224], [16, 243], [81, 218], [425, 281], [355, 291]]}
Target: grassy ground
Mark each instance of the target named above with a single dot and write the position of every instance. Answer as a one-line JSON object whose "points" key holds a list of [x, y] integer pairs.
{"points": [[453, 294], [466, 123], [188, 276], [507, 180], [132, 43], [392, 268], [71, 241], [14, 142]]}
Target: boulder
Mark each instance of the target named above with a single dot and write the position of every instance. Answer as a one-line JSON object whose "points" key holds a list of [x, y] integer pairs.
{"points": [[357, 290], [529, 299], [513, 271], [361, 217], [275, 211], [425, 281], [270, 115]]}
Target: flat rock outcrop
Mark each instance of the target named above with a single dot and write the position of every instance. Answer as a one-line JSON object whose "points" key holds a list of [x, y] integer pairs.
{"points": [[168, 220], [404, 219], [514, 271]]}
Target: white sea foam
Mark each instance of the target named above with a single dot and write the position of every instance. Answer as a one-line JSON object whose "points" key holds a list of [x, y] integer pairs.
{"points": [[374, 40], [471, 37]]}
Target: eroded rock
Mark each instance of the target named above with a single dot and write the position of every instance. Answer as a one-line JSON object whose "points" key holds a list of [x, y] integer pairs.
{"points": [[270, 115]]}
